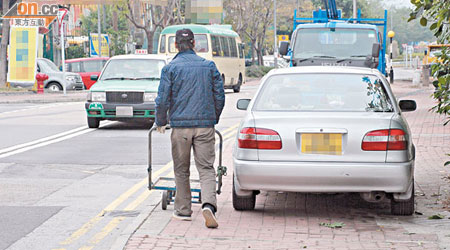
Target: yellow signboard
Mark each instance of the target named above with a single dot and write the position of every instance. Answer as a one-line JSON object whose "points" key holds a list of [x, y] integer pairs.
{"points": [[22, 54], [94, 45], [283, 38]]}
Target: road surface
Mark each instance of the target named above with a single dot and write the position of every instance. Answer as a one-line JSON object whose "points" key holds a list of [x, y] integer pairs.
{"points": [[65, 186]]}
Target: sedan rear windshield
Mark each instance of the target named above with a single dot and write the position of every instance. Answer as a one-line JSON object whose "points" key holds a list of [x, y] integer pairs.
{"points": [[133, 69], [323, 92]]}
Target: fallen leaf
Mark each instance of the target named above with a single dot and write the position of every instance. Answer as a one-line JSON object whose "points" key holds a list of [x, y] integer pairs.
{"points": [[436, 217], [418, 213], [332, 225]]}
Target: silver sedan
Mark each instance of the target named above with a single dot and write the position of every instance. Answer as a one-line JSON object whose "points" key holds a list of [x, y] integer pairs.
{"points": [[327, 130]]}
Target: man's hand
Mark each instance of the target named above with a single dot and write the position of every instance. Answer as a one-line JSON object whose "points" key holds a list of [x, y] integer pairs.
{"points": [[161, 129]]}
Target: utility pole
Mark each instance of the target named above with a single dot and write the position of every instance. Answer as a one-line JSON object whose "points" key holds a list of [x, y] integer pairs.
{"points": [[275, 47], [391, 35], [99, 31], [4, 45], [354, 10], [63, 56]]}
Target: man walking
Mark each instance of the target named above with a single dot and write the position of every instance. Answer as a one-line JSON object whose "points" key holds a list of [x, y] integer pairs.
{"points": [[191, 91]]}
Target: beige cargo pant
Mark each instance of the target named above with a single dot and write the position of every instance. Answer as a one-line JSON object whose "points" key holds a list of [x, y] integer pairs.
{"points": [[202, 141]]}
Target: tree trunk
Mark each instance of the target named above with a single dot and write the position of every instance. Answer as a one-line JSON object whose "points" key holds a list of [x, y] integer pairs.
{"points": [[260, 56], [252, 50], [115, 20], [4, 46], [150, 35]]}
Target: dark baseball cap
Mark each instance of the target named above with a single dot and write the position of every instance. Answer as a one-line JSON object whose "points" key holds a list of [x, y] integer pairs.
{"points": [[184, 35]]}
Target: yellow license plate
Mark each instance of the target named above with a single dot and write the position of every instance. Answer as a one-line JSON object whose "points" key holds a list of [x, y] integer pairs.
{"points": [[327, 144]]}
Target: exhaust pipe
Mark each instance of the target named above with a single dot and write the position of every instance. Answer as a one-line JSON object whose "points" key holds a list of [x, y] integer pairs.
{"points": [[375, 196]]}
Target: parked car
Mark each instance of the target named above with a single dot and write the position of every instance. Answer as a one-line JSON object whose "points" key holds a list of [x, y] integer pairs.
{"points": [[325, 130], [56, 78], [86, 67], [126, 89]]}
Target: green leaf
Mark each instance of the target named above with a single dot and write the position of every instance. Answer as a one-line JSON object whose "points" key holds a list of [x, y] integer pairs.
{"points": [[423, 21], [412, 16], [436, 217], [433, 26], [447, 163]]}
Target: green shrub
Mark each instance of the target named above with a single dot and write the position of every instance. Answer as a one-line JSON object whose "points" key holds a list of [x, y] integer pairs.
{"points": [[266, 69], [75, 52], [256, 71]]}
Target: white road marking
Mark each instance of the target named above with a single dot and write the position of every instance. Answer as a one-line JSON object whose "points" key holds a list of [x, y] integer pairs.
{"points": [[47, 140], [42, 140], [38, 107]]}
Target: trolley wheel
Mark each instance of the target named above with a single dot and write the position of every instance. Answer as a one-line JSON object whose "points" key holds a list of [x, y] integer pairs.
{"points": [[164, 199]]}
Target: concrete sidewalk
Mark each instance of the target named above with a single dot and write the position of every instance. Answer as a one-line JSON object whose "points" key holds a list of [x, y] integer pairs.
{"points": [[292, 220], [31, 97]]}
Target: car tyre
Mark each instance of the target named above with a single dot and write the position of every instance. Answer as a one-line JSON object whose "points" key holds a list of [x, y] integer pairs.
{"points": [[93, 122], [403, 208], [54, 87], [237, 87], [243, 203]]}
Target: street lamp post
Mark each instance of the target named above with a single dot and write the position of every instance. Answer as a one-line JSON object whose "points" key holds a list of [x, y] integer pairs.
{"points": [[99, 25], [275, 47], [391, 35]]}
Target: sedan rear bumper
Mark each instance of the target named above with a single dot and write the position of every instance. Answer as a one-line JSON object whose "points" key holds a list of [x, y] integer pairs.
{"points": [[328, 177]]}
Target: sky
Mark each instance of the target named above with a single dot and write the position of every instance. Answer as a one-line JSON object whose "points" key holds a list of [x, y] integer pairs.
{"points": [[398, 3]]}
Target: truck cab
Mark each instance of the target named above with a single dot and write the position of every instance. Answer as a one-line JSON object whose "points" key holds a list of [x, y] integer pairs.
{"points": [[323, 41]]}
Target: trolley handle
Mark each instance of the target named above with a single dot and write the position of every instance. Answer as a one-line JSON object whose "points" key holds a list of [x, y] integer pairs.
{"points": [[149, 167]]}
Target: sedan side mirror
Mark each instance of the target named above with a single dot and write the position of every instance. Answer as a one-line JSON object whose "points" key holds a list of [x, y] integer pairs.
{"points": [[242, 104], [407, 105], [284, 47], [94, 77], [376, 47]]}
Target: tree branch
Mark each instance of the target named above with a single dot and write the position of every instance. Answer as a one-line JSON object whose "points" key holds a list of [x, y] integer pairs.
{"points": [[131, 17]]}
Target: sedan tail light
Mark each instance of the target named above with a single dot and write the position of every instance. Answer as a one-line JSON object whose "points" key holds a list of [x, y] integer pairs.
{"points": [[259, 138], [383, 140]]}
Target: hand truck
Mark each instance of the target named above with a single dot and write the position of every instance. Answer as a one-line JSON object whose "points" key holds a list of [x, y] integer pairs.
{"points": [[167, 184]]}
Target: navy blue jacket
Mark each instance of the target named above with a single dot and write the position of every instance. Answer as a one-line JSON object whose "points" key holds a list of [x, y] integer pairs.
{"points": [[191, 89]]}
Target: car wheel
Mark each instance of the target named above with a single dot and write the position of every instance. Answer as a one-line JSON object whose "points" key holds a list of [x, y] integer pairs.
{"points": [[243, 203], [93, 122], [54, 87], [403, 207], [237, 87]]}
